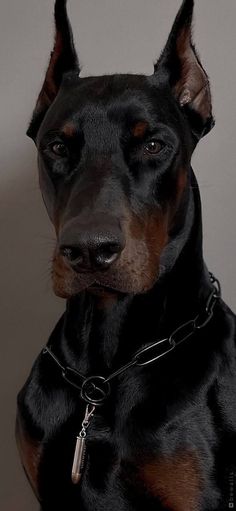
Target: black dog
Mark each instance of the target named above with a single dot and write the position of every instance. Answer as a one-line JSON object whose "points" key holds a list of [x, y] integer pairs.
{"points": [[115, 174]]}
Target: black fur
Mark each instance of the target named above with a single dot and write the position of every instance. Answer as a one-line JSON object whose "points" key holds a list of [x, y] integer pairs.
{"points": [[165, 438]]}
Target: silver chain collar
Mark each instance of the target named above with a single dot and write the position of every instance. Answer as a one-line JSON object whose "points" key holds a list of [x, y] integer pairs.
{"points": [[95, 389]]}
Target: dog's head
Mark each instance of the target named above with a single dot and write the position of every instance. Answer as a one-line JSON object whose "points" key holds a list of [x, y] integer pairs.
{"points": [[114, 156]]}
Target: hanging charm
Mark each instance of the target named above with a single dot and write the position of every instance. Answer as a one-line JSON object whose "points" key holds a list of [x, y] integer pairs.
{"points": [[80, 448]]}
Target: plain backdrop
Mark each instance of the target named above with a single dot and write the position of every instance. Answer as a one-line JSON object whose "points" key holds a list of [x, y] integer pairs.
{"points": [[111, 36]]}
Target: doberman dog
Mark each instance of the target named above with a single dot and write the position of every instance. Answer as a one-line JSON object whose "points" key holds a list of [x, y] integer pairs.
{"points": [[156, 415]]}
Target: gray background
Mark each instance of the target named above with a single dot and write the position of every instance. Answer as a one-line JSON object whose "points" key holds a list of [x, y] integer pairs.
{"points": [[111, 36]]}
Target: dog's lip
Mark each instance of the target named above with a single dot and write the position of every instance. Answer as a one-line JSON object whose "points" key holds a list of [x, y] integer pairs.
{"points": [[96, 287]]}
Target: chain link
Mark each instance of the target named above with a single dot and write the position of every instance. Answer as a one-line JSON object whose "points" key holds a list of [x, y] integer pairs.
{"points": [[184, 331]]}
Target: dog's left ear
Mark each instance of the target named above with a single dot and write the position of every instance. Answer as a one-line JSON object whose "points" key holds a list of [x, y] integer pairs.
{"points": [[180, 67], [63, 59]]}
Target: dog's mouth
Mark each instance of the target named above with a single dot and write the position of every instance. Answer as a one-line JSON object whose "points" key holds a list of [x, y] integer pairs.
{"points": [[102, 290], [119, 281]]}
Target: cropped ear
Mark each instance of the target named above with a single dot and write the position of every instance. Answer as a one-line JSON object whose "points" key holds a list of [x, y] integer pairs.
{"points": [[63, 59], [179, 65]]}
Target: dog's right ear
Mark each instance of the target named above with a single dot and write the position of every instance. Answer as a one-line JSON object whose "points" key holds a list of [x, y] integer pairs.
{"points": [[63, 59], [179, 66]]}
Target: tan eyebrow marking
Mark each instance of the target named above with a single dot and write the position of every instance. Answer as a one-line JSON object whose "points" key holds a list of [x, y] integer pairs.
{"points": [[139, 129], [69, 129]]}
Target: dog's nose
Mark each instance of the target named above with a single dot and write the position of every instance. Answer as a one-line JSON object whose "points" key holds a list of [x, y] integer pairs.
{"points": [[93, 251]]}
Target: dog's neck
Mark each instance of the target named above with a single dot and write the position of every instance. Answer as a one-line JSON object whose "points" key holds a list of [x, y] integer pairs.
{"points": [[102, 333]]}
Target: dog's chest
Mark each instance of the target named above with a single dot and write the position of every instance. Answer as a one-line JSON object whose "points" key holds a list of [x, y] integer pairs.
{"points": [[116, 469], [168, 482], [127, 467]]}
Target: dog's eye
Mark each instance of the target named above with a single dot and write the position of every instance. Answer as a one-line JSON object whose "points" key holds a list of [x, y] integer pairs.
{"points": [[59, 149], [153, 147]]}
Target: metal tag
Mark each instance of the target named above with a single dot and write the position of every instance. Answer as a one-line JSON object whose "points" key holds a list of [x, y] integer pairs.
{"points": [[80, 447]]}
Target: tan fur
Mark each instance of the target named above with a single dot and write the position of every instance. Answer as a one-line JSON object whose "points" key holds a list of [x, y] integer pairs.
{"points": [[30, 454], [176, 480]]}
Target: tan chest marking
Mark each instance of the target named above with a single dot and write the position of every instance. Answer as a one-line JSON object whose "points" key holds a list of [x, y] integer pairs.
{"points": [[30, 454], [176, 480]]}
